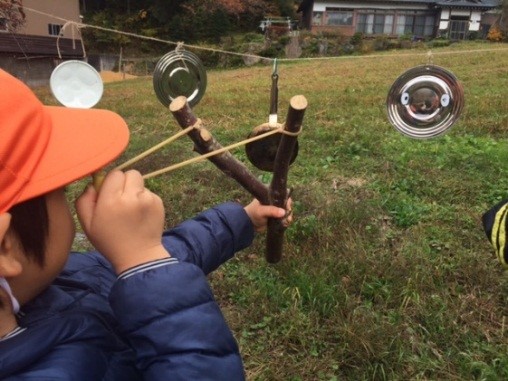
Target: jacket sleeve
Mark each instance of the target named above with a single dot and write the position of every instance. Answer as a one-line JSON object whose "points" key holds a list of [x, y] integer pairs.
{"points": [[167, 312], [212, 237]]}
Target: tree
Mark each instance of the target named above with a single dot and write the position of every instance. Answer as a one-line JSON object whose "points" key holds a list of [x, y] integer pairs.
{"points": [[11, 12], [176, 20], [503, 20], [165, 11], [287, 8]]}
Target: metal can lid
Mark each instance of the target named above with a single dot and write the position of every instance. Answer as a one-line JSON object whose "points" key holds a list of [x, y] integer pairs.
{"points": [[179, 73], [76, 84], [425, 101]]}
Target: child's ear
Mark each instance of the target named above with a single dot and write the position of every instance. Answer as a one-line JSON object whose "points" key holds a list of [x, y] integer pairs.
{"points": [[9, 265]]}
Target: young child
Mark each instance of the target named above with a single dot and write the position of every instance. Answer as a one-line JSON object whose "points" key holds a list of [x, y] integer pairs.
{"points": [[138, 308]]}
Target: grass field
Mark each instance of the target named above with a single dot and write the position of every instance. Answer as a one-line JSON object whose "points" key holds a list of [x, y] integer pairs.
{"points": [[387, 273]]}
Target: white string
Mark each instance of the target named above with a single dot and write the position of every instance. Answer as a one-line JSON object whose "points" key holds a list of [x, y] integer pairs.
{"points": [[178, 50], [74, 26]]}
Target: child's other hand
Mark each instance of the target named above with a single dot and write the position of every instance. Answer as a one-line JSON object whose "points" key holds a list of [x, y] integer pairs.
{"points": [[259, 214], [124, 221]]}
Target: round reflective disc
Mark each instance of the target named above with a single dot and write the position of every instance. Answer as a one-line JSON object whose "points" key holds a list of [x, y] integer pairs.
{"points": [[76, 84], [425, 102], [179, 73]]}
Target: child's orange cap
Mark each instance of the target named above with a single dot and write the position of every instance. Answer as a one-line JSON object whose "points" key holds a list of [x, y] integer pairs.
{"points": [[43, 148]]}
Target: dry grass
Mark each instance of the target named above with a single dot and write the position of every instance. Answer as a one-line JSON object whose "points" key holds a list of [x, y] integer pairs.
{"points": [[112, 76]]}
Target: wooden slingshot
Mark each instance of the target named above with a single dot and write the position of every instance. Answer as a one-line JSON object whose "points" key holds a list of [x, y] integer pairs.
{"points": [[277, 193]]}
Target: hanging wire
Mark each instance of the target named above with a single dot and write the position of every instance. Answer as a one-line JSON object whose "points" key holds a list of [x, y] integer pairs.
{"points": [[274, 96]]}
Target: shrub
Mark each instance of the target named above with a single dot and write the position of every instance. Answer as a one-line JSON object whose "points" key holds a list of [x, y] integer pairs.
{"points": [[348, 48], [439, 43], [271, 52], [393, 44], [474, 35], [284, 40], [357, 38], [495, 34], [381, 43], [253, 37], [367, 46]]}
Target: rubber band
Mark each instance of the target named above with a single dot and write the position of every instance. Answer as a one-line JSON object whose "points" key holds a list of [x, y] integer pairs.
{"points": [[210, 154], [279, 127], [272, 131], [289, 133], [149, 151]]}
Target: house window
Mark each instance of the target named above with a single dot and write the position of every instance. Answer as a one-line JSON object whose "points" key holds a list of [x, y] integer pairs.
{"points": [[416, 24], [365, 24], [317, 18], [54, 29], [375, 23], [458, 27], [428, 30], [339, 17], [388, 25]]}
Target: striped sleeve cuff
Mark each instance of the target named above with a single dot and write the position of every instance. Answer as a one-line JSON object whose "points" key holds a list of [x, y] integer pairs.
{"points": [[147, 266], [13, 333]]}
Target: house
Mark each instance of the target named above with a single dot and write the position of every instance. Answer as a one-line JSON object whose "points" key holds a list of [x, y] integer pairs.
{"points": [[38, 45], [454, 19]]}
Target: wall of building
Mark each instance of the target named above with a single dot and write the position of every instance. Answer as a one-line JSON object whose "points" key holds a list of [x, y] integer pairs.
{"points": [[347, 18], [320, 6], [40, 25], [453, 20], [34, 72]]}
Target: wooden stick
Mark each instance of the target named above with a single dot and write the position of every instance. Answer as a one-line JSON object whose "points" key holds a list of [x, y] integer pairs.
{"points": [[205, 143], [154, 148], [278, 186]]}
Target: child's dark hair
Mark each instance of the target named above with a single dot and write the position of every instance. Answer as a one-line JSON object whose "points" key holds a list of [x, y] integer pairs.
{"points": [[30, 223]]}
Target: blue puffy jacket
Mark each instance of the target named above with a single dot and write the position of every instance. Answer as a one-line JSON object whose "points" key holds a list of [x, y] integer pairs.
{"points": [[161, 321]]}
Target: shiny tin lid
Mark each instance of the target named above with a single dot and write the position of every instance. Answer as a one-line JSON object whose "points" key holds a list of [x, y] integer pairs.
{"points": [[425, 101], [76, 84], [179, 73]]}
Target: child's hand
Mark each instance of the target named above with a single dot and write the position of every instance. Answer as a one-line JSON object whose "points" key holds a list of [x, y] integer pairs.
{"points": [[259, 214], [124, 221]]}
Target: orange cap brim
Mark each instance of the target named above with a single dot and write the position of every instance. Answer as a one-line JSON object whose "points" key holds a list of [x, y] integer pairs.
{"points": [[82, 141]]}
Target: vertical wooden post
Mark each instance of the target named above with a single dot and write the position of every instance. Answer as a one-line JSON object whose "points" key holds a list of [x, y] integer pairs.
{"points": [[278, 186]]}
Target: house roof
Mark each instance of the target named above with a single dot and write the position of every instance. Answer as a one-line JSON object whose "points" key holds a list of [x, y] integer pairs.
{"points": [[486, 4], [475, 4], [31, 45]]}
